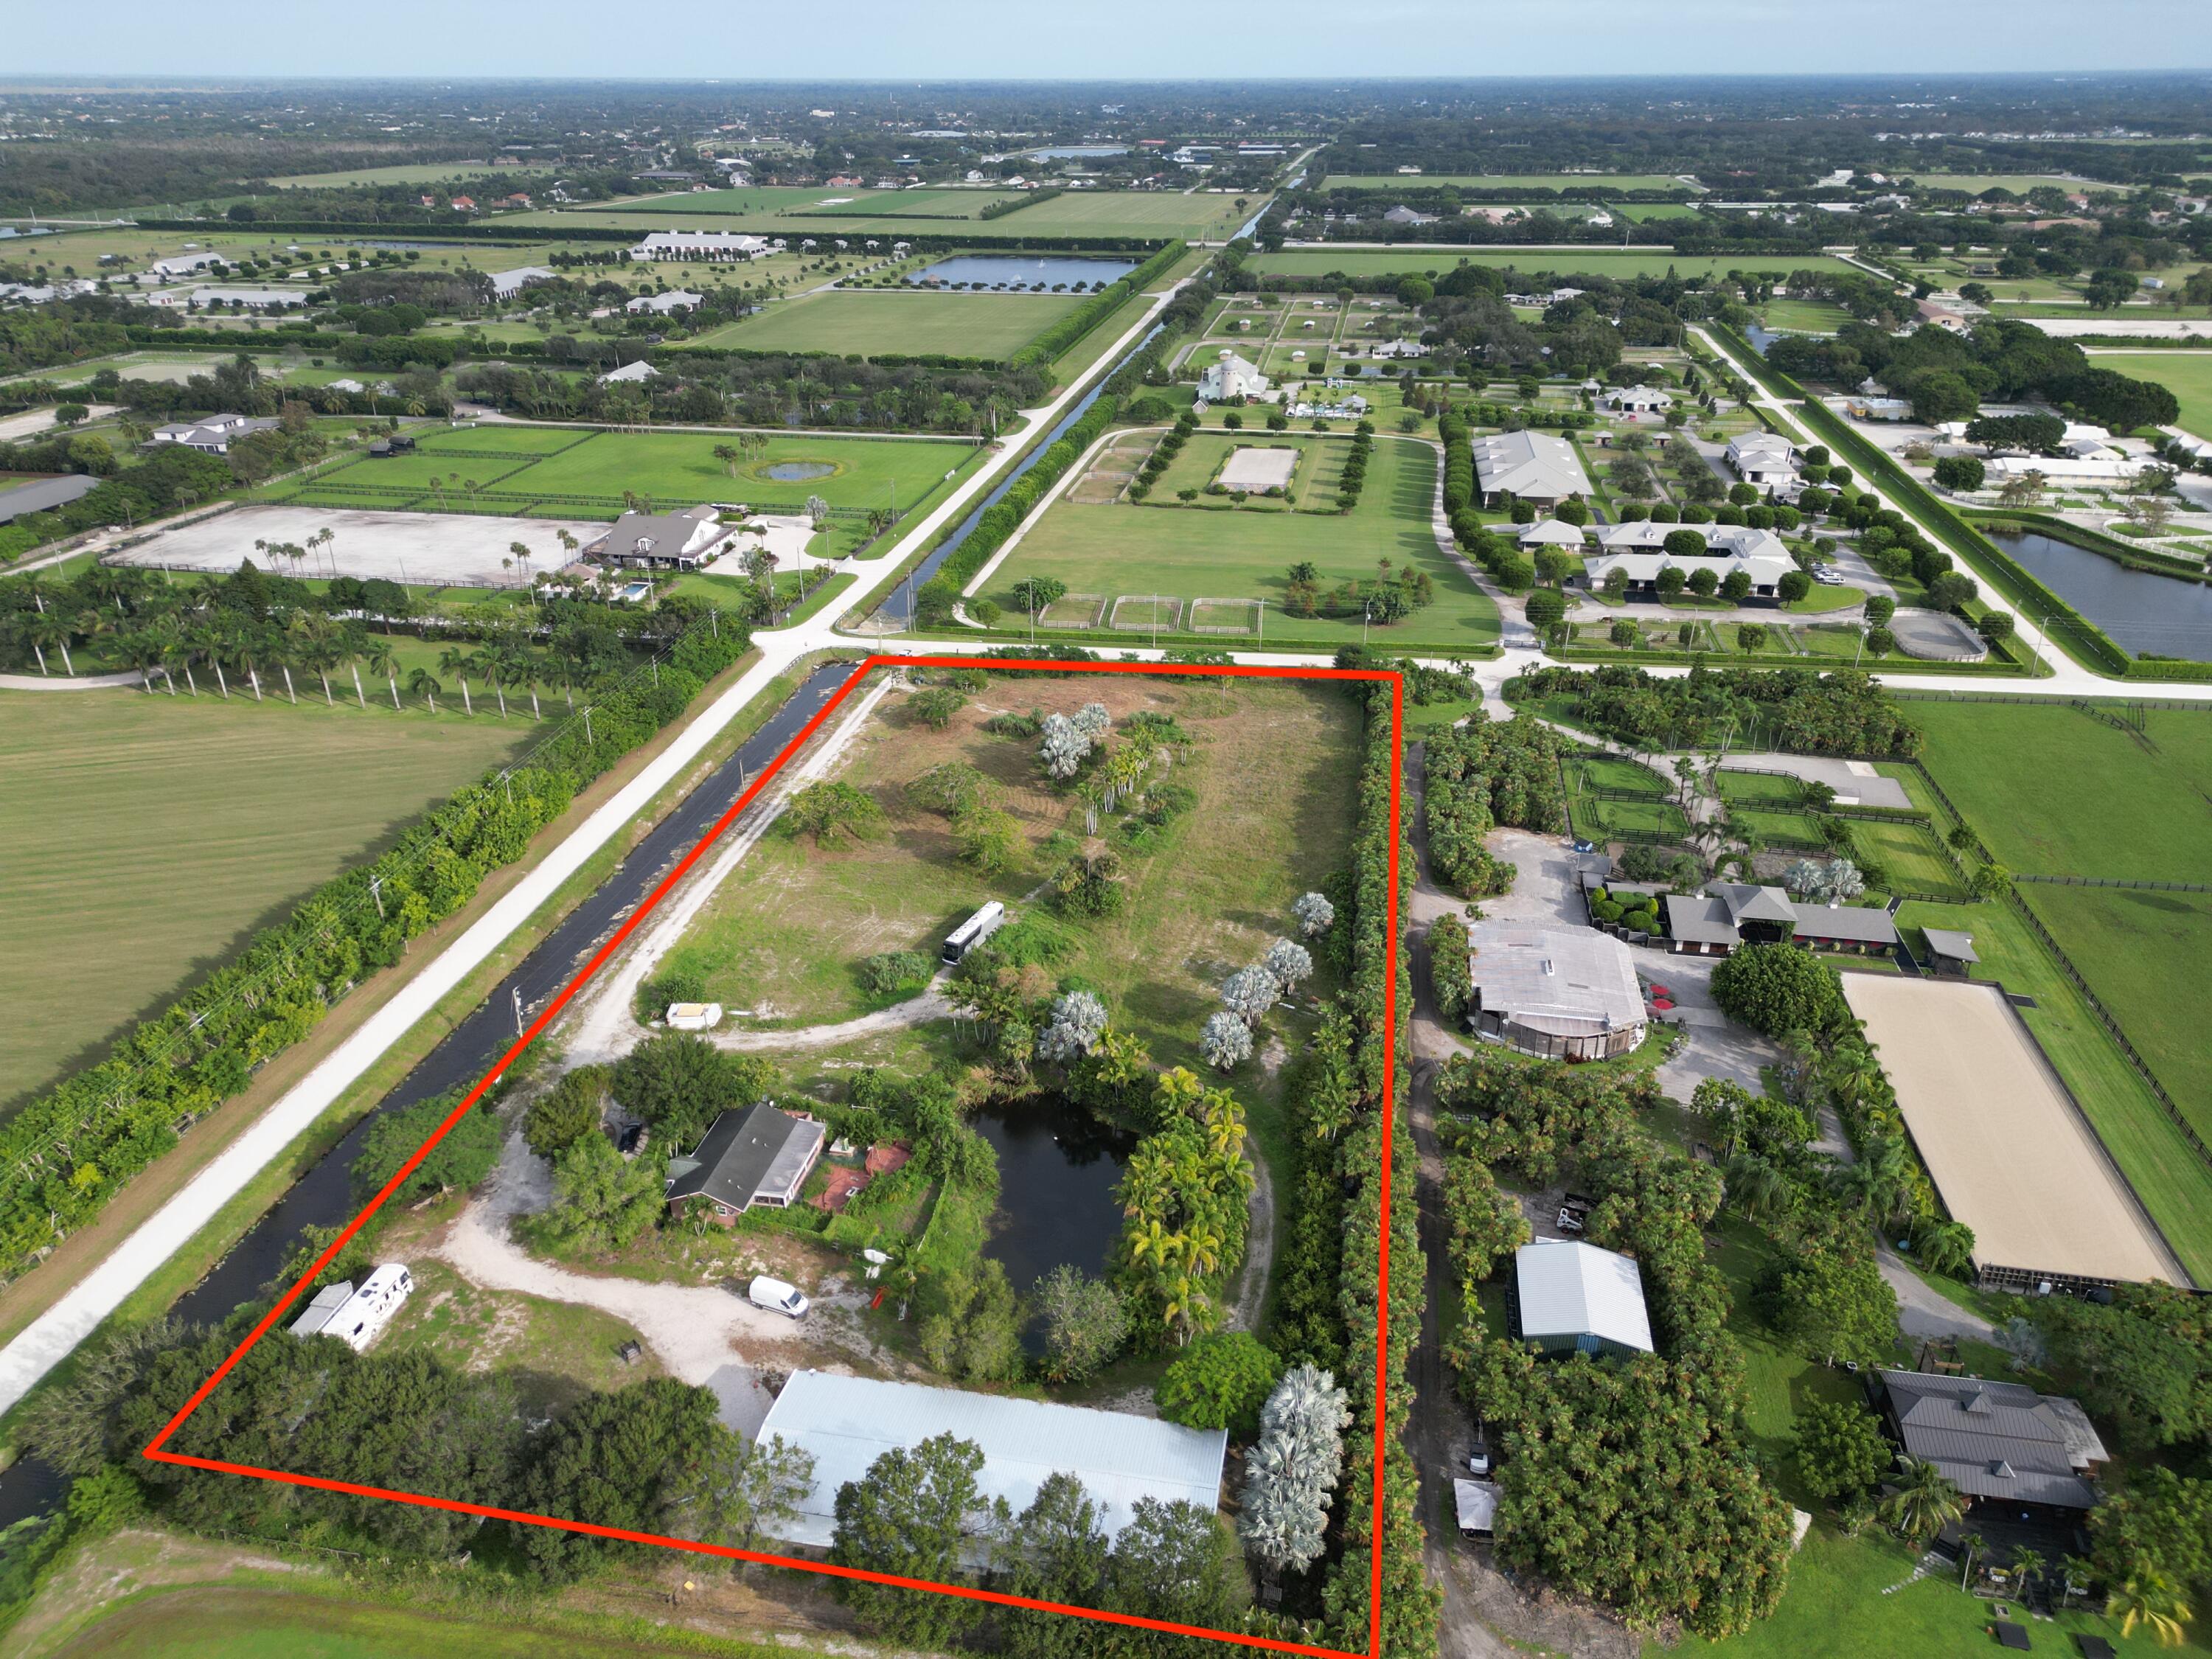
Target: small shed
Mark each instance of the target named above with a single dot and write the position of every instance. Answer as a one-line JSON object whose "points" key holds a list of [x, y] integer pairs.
{"points": [[1477, 1503], [1574, 1298], [1949, 952]]}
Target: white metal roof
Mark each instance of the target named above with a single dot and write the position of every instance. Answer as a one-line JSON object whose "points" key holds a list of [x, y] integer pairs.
{"points": [[849, 1422], [1569, 981], [1477, 1502], [1572, 1289]]}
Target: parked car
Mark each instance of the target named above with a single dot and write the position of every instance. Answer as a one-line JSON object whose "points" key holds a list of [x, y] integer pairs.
{"points": [[777, 1297], [1478, 1457]]}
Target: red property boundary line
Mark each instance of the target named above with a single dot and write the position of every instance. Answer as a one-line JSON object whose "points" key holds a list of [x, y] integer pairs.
{"points": [[153, 1449]]}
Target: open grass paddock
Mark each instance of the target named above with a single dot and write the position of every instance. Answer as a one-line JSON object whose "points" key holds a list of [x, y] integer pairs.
{"points": [[867, 320], [1193, 214], [2187, 374], [149, 836], [1215, 552]]}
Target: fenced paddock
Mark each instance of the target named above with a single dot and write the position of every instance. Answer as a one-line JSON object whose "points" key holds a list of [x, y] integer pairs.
{"points": [[1140, 613], [1109, 474], [1074, 610], [449, 549], [2008, 1152], [1224, 616]]}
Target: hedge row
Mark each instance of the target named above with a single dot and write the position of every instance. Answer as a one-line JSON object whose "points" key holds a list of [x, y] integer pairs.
{"points": [[1000, 519], [1095, 310], [69, 1151]]}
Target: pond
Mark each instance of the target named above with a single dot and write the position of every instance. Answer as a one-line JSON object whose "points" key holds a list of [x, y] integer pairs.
{"points": [[1058, 1168], [1009, 271], [2141, 611], [798, 472]]}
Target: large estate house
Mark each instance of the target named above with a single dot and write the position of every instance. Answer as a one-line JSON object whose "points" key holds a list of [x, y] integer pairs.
{"points": [[1231, 377], [1730, 914], [1638, 549], [682, 540]]}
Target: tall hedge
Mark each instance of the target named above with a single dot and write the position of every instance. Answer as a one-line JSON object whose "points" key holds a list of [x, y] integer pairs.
{"points": [[65, 1154], [1093, 311]]}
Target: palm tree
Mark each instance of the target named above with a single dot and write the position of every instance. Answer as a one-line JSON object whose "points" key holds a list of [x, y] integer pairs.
{"points": [[421, 680], [2028, 1564], [1923, 1504], [728, 455], [2146, 1598], [1971, 1544], [142, 651], [382, 661], [314, 638], [1756, 1188], [452, 660], [1947, 1247], [47, 628]]}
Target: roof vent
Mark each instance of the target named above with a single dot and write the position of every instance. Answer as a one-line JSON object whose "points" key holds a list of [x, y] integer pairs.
{"points": [[1547, 967], [2000, 1469]]}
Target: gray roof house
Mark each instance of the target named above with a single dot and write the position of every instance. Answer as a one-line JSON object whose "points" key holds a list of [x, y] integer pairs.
{"points": [[760, 1156], [639, 371], [1562, 993], [505, 284], [676, 299], [849, 1422], [1998, 1441], [213, 434], [682, 540], [1536, 467], [44, 495], [1573, 1297]]}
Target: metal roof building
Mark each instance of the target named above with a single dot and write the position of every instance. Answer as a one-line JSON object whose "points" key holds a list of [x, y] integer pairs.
{"points": [[1996, 1440], [1576, 1298], [849, 1422], [1563, 993], [1534, 466], [44, 495]]}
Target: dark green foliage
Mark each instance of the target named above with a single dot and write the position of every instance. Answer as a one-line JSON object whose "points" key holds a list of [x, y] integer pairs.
{"points": [[2141, 1364], [666, 986], [678, 1083], [888, 971], [1841, 1451], [1450, 979], [911, 1518], [567, 1112], [1220, 1382], [618, 1461], [1481, 775], [833, 811], [461, 1160], [1777, 989], [1793, 709]]}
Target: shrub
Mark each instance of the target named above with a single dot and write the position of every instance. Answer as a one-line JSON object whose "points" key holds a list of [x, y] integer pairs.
{"points": [[1793, 585], [1220, 1382], [1546, 606], [1777, 988], [892, 970], [670, 984]]}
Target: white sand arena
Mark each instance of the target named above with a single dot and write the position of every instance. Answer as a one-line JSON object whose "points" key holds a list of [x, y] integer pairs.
{"points": [[1255, 470], [2008, 1153], [428, 549]]}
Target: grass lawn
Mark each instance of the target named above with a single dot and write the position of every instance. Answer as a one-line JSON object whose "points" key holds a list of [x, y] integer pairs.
{"points": [[2142, 952], [1759, 787], [249, 1622], [1433, 260], [2187, 374], [1197, 214], [1196, 552], [153, 835], [2052, 791], [1910, 853], [1788, 316], [1775, 828], [2174, 1186], [1600, 818], [867, 320], [418, 173], [1603, 771], [792, 921]]}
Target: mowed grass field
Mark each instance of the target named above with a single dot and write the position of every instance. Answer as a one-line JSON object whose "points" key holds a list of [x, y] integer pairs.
{"points": [[2187, 374], [1245, 553], [672, 468], [1428, 260], [2053, 792], [1163, 213], [149, 836], [820, 202], [792, 922], [867, 320]]}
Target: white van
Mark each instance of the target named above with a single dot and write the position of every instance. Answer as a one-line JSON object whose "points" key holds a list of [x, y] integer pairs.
{"points": [[777, 1297]]}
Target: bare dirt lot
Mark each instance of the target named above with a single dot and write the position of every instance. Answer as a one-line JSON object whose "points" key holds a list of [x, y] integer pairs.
{"points": [[2009, 1154], [452, 549]]}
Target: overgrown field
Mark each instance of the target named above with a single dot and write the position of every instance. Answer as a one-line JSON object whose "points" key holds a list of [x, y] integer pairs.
{"points": [[150, 835]]}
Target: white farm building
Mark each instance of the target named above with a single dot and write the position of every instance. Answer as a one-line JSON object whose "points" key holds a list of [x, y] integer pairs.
{"points": [[849, 1422]]}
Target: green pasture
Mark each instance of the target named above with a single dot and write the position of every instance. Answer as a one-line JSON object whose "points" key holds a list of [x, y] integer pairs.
{"points": [[2018, 183], [1193, 215], [2052, 791], [2187, 374], [1245, 553], [153, 835], [411, 172], [869, 321], [1481, 181], [1788, 316]]}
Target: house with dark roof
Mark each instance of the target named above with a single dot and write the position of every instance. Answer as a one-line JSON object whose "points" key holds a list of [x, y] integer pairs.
{"points": [[682, 540], [758, 1156], [1999, 1444], [1728, 913]]}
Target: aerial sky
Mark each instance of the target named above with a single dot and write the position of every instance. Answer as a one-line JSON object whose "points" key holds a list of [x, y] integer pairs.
{"points": [[1136, 39]]}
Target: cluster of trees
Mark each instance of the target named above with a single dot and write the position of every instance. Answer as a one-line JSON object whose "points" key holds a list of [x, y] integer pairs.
{"points": [[1353, 479], [1290, 1475], [1451, 979], [1482, 774], [1156, 463], [171, 478], [1396, 592], [68, 1152], [1708, 1545], [1246, 997], [1794, 709], [1183, 1196], [1948, 377]]}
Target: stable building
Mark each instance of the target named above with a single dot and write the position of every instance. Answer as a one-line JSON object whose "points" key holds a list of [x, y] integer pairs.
{"points": [[760, 1156], [1728, 914], [701, 245], [1232, 377], [1535, 467], [44, 495], [662, 305], [1764, 459], [1559, 992], [1637, 400], [847, 1422], [1571, 1298]]}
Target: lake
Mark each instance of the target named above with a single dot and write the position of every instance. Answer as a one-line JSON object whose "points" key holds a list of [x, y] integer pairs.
{"points": [[2140, 609], [1012, 270], [1058, 1168]]}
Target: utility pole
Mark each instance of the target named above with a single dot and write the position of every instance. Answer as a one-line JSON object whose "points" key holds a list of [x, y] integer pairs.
{"points": [[376, 892]]}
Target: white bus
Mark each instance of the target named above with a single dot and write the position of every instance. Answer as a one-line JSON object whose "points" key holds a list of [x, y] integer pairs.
{"points": [[974, 931]]}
